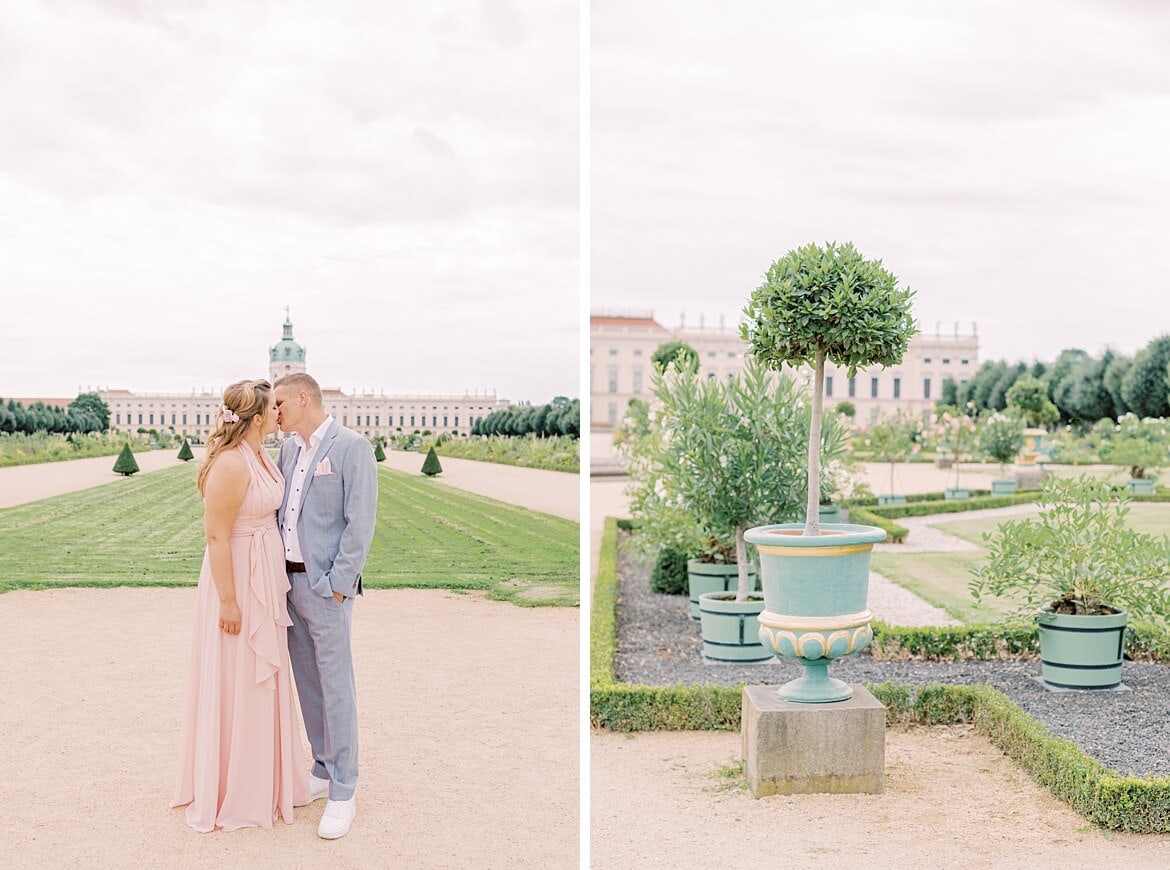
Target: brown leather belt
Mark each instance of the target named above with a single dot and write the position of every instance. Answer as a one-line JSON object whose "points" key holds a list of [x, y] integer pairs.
{"points": [[294, 567]]}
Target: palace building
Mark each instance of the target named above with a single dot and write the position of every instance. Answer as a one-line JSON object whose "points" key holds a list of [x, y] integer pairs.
{"points": [[193, 414], [622, 343]]}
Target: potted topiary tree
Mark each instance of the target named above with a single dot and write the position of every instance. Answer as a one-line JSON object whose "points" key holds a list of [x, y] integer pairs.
{"points": [[185, 453], [722, 455], [1000, 437], [1086, 571], [893, 439], [1141, 444], [819, 304], [955, 433], [379, 452]]}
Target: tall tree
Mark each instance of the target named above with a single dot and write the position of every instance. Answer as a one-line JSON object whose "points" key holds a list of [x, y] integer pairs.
{"points": [[1144, 387]]}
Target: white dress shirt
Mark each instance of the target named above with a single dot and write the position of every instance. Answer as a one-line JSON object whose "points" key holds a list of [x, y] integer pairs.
{"points": [[292, 544]]}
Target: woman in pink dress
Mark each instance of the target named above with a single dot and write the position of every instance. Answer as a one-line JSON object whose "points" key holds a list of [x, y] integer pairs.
{"points": [[242, 759]]}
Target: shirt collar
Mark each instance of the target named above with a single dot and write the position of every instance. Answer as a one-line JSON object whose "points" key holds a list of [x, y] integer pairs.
{"points": [[318, 434]]}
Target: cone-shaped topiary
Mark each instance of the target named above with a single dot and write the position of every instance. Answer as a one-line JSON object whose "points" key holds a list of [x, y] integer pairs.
{"points": [[379, 453], [126, 463], [185, 452], [431, 465]]}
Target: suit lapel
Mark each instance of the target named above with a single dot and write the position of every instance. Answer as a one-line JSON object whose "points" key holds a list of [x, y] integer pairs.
{"points": [[322, 452]]}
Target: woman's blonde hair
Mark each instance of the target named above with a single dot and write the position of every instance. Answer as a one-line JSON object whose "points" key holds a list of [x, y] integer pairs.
{"points": [[242, 401]]}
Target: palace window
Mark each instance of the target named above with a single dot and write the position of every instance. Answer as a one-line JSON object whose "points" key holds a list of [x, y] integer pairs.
{"points": [[852, 387], [828, 385], [897, 388], [873, 388]]}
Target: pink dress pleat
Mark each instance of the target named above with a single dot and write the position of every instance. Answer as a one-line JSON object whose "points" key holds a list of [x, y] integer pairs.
{"points": [[242, 762]]}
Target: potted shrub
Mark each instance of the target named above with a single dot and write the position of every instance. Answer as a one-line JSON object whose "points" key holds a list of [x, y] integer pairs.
{"points": [[819, 304], [894, 439], [720, 455], [1085, 571], [1143, 445], [955, 433], [1001, 436]]}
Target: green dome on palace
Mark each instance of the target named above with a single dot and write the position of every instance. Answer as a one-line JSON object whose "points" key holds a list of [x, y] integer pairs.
{"points": [[286, 350]]}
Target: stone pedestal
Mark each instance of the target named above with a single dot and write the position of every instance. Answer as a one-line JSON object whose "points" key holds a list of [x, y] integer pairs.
{"points": [[791, 748]]}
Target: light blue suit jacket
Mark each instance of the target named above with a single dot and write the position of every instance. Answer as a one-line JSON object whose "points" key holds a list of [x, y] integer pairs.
{"points": [[336, 522]]}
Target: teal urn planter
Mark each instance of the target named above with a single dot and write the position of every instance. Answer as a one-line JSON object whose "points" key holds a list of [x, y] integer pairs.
{"points": [[955, 493], [815, 594], [705, 577], [891, 499], [1003, 487], [1081, 652], [731, 629], [1142, 485]]}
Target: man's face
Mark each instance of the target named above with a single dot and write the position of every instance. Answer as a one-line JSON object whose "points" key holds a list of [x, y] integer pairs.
{"points": [[289, 407]]}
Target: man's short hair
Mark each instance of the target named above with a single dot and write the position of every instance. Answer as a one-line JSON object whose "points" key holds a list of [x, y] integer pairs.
{"points": [[300, 381]]}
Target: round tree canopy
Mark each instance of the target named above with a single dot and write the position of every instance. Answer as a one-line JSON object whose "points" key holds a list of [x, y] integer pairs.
{"points": [[829, 300]]}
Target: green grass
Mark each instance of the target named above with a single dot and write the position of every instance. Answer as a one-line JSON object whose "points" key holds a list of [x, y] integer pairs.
{"points": [[1151, 518], [941, 579], [148, 530]]}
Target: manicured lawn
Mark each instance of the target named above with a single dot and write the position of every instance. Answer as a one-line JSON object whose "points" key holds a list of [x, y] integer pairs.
{"points": [[1152, 519], [148, 530], [942, 578]]}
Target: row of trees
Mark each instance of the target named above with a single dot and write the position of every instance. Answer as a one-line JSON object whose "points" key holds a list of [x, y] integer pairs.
{"points": [[559, 417], [1081, 388], [86, 413]]}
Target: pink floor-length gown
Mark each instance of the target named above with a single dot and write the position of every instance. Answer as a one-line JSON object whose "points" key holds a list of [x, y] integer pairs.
{"points": [[242, 760]]}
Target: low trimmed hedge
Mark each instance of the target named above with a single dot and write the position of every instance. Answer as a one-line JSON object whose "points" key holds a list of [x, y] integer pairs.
{"points": [[1104, 797], [895, 533], [959, 505], [1012, 639]]}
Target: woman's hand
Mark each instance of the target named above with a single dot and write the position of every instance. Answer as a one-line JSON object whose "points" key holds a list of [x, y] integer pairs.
{"points": [[229, 616]]}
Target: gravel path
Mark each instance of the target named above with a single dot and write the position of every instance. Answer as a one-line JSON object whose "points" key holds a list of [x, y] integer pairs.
{"points": [[1126, 730]]}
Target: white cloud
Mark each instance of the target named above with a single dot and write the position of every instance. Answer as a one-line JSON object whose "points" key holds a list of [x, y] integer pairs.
{"points": [[403, 175]]}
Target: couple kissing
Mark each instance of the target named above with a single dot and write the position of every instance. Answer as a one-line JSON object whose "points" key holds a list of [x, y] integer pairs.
{"points": [[286, 545]]}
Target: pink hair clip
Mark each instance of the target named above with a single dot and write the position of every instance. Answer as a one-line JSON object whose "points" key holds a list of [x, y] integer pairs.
{"points": [[229, 416]]}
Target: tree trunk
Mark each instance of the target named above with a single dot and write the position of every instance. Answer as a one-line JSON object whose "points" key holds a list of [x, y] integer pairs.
{"points": [[741, 590], [812, 521], [892, 464]]}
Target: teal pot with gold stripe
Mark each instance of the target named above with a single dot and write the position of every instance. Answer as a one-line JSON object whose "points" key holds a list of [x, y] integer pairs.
{"points": [[731, 629], [714, 577], [816, 590], [1003, 487], [1142, 485], [1081, 652]]}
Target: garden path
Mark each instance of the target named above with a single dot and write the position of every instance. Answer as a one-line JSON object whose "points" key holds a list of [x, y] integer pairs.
{"points": [[443, 730], [24, 483]]}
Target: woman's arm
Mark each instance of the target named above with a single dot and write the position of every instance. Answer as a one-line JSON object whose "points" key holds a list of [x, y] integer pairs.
{"points": [[223, 493]]}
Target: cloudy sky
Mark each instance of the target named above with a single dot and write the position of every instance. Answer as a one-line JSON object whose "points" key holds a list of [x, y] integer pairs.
{"points": [[1008, 161], [403, 175]]}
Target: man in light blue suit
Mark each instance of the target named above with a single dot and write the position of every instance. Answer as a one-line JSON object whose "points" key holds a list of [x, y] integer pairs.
{"points": [[327, 522]]}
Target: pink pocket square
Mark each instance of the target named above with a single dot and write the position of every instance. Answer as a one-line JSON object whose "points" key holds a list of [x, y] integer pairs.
{"points": [[323, 467]]}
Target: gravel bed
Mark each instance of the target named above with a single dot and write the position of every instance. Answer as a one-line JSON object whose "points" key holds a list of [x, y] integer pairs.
{"points": [[1126, 730]]}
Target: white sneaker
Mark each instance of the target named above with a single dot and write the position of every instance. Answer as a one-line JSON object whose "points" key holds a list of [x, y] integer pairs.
{"points": [[318, 788], [336, 820]]}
